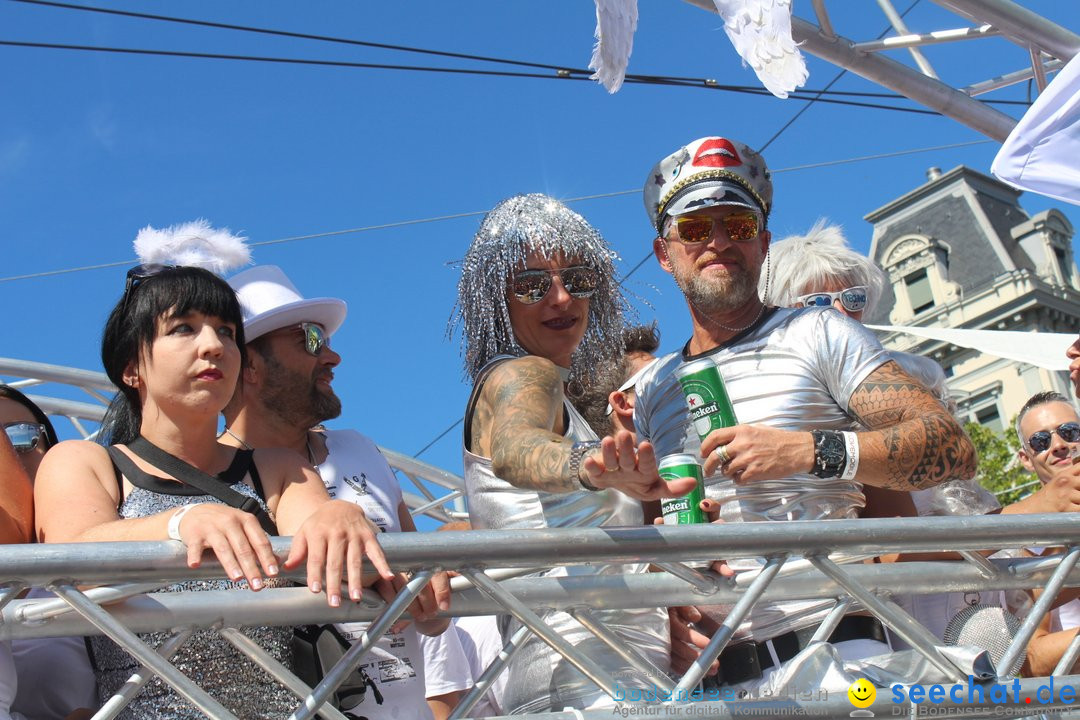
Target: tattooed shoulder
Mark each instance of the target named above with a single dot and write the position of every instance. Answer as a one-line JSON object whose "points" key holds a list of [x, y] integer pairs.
{"points": [[886, 395]]}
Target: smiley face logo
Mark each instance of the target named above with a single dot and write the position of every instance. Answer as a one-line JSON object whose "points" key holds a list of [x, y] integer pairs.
{"points": [[861, 693]]}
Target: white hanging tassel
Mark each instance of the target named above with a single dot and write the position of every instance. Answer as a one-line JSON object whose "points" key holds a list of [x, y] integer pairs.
{"points": [[616, 21], [760, 30], [192, 244]]}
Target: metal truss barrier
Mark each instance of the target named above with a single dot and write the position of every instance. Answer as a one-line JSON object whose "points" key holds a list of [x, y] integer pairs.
{"points": [[803, 560], [438, 494], [1040, 44]]}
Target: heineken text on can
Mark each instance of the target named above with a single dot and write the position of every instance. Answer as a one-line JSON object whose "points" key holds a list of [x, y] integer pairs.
{"points": [[685, 510], [706, 396]]}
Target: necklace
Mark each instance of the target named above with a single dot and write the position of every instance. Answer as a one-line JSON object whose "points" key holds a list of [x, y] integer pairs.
{"points": [[237, 438], [307, 443], [761, 309], [732, 329]]}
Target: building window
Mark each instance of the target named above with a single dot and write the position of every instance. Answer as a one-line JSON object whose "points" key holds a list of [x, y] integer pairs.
{"points": [[919, 291], [989, 417], [1063, 262]]}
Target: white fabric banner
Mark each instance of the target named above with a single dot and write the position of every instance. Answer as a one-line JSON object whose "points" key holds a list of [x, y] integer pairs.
{"points": [[1042, 153], [1044, 350]]}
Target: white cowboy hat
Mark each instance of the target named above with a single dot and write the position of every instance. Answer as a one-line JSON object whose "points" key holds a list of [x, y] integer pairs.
{"points": [[270, 301]]}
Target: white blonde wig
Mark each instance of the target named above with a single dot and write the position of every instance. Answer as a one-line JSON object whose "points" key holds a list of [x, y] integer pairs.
{"points": [[803, 264]]}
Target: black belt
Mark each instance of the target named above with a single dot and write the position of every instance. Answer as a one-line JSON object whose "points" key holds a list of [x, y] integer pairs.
{"points": [[748, 660]]}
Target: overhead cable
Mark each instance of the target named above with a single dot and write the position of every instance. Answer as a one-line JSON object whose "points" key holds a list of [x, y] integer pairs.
{"points": [[475, 213]]}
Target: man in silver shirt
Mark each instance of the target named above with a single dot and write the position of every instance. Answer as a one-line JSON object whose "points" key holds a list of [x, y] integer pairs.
{"points": [[802, 382]]}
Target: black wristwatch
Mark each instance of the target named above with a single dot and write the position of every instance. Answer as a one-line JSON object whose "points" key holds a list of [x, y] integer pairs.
{"points": [[830, 453]]}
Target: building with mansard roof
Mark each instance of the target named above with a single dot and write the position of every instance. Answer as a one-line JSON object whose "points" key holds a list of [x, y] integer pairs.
{"points": [[960, 252]]}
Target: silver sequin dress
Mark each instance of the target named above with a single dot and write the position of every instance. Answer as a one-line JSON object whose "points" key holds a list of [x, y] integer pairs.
{"points": [[207, 658]]}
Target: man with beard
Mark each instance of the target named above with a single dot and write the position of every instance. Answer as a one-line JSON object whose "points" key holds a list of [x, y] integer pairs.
{"points": [[283, 395], [822, 411]]}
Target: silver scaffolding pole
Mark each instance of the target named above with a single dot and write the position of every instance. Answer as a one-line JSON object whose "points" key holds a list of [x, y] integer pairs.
{"points": [[798, 579], [1026, 29]]}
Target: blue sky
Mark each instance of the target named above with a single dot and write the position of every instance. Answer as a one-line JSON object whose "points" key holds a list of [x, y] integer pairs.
{"points": [[95, 146]]}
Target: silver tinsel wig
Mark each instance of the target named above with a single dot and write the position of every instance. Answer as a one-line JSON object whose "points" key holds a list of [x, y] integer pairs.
{"points": [[514, 228]]}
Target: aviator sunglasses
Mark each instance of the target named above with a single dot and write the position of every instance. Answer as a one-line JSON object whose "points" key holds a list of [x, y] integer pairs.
{"points": [[1040, 442], [24, 436], [853, 299], [739, 227], [531, 286]]}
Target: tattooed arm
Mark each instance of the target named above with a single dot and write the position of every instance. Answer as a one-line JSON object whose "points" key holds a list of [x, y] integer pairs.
{"points": [[518, 422], [913, 441]]}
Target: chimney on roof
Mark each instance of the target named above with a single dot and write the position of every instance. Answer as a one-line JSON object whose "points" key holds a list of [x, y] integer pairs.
{"points": [[933, 173]]}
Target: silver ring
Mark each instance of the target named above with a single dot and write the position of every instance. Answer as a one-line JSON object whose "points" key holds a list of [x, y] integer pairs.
{"points": [[722, 454]]}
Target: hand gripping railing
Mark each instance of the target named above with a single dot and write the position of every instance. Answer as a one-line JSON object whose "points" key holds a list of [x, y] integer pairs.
{"points": [[130, 569], [439, 494]]}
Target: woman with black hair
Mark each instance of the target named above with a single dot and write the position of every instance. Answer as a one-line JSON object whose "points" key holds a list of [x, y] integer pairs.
{"points": [[174, 346]]}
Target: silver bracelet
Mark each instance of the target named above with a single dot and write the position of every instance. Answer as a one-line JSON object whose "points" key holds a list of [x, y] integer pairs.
{"points": [[578, 453], [174, 521]]}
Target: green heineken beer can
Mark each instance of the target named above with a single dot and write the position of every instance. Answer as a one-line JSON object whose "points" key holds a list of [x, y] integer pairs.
{"points": [[706, 396], [685, 510]]}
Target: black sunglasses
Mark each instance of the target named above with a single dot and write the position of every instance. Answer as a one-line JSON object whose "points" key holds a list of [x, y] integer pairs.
{"points": [[24, 436], [1040, 442], [139, 273], [531, 286]]}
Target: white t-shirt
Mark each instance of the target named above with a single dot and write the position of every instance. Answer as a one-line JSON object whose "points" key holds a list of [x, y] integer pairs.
{"points": [[481, 642], [446, 669], [356, 471]]}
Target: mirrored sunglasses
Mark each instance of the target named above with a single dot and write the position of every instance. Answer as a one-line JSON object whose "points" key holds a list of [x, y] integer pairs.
{"points": [[531, 286], [25, 436], [1040, 442], [139, 273], [739, 227], [853, 299], [315, 338]]}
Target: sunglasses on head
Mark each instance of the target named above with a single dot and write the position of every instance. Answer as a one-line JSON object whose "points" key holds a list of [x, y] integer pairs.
{"points": [[531, 286], [24, 436], [739, 227], [1040, 442], [853, 299], [139, 273]]}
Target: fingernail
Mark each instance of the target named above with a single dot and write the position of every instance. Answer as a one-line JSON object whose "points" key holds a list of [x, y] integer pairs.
{"points": [[257, 584], [335, 600], [316, 587], [355, 595], [236, 576], [272, 570]]}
